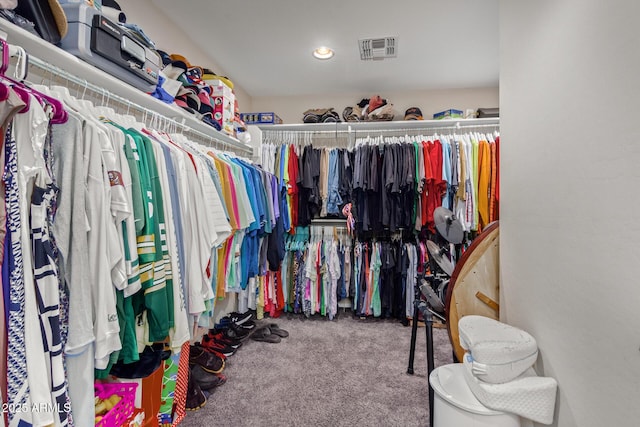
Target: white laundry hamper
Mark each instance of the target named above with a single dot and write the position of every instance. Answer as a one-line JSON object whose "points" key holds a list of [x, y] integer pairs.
{"points": [[456, 406]]}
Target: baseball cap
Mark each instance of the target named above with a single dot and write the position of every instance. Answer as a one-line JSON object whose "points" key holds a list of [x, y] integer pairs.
{"points": [[205, 102], [175, 69], [178, 57], [413, 113], [189, 95]]}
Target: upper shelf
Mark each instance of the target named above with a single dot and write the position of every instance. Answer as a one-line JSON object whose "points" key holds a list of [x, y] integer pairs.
{"points": [[392, 126], [59, 58]]}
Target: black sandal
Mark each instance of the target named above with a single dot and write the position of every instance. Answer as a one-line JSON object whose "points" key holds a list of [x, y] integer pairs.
{"points": [[264, 334], [275, 329]]}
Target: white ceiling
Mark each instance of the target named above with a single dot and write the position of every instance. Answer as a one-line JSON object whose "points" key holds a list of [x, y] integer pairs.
{"points": [[265, 46]]}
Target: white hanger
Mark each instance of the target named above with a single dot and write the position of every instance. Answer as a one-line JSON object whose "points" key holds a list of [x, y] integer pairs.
{"points": [[62, 93]]}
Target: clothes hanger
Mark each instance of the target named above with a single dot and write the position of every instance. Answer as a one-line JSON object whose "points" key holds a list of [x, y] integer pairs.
{"points": [[58, 113], [17, 88], [103, 110]]}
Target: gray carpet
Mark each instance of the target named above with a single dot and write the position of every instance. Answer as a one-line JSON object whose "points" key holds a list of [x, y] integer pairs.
{"points": [[345, 372]]}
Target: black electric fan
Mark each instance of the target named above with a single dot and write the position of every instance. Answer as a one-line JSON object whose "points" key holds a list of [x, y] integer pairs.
{"points": [[431, 288]]}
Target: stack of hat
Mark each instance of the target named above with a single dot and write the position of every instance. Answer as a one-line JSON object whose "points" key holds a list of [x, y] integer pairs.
{"points": [[191, 86], [369, 109], [320, 115]]}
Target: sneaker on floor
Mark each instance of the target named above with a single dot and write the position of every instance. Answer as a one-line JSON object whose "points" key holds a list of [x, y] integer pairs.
{"points": [[236, 332], [213, 351], [206, 380], [219, 336], [210, 344], [241, 318], [249, 325], [208, 361], [195, 396], [238, 319]]}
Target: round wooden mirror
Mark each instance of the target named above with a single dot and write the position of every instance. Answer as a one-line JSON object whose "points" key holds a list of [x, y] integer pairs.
{"points": [[475, 286]]}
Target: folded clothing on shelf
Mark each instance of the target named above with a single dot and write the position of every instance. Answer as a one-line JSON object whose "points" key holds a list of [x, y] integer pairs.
{"points": [[372, 109], [320, 115]]}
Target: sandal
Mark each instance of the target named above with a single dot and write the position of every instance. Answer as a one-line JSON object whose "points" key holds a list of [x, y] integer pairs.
{"points": [[264, 334], [275, 329]]}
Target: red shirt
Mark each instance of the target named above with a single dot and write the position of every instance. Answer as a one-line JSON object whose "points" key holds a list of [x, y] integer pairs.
{"points": [[438, 186], [292, 186]]}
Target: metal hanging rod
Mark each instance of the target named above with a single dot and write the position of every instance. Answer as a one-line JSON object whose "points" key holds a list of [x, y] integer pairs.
{"points": [[152, 114], [329, 133], [386, 126]]}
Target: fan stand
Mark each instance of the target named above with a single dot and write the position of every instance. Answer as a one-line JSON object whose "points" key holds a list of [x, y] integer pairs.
{"points": [[452, 231], [423, 307]]}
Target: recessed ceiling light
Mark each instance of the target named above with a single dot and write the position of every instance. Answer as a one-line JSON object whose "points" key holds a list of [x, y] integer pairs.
{"points": [[323, 52]]}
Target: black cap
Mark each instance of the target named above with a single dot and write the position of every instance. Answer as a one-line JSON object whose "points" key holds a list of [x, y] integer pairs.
{"points": [[413, 113]]}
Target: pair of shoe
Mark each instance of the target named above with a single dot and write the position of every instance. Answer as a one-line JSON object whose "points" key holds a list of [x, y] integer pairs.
{"points": [[196, 398], [240, 320], [218, 346], [208, 361], [206, 380], [232, 333], [222, 336], [270, 333], [199, 382], [236, 327]]}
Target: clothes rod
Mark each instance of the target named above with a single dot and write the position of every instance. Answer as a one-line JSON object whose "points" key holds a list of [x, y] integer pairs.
{"points": [[383, 126], [330, 133], [152, 114], [328, 221]]}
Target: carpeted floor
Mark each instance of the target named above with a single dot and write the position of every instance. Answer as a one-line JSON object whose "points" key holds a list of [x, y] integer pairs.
{"points": [[345, 372]]}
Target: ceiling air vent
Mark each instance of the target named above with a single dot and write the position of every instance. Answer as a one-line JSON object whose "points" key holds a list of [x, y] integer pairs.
{"points": [[381, 48]]}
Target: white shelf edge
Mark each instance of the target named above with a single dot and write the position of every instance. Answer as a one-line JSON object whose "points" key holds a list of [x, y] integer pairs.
{"points": [[382, 125]]}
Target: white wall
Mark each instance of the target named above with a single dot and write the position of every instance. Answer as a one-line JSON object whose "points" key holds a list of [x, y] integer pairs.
{"points": [[172, 39], [570, 211], [290, 108]]}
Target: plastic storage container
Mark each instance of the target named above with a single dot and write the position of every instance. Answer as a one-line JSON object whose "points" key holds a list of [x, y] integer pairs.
{"points": [[455, 404], [117, 416]]}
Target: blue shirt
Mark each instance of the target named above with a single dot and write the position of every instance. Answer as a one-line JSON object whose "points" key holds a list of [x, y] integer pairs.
{"points": [[177, 215]]}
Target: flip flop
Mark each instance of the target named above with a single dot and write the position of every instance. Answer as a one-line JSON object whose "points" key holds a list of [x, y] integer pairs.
{"points": [[264, 334], [275, 329]]}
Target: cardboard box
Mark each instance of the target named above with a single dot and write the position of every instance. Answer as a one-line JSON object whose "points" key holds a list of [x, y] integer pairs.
{"points": [[223, 102], [449, 114], [269, 118]]}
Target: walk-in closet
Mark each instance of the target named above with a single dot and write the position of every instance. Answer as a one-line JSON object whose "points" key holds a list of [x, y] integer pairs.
{"points": [[318, 214]]}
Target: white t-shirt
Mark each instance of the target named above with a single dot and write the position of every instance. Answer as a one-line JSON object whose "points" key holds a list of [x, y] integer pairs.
{"points": [[127, 227], [117, 202], [106, 327]]}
